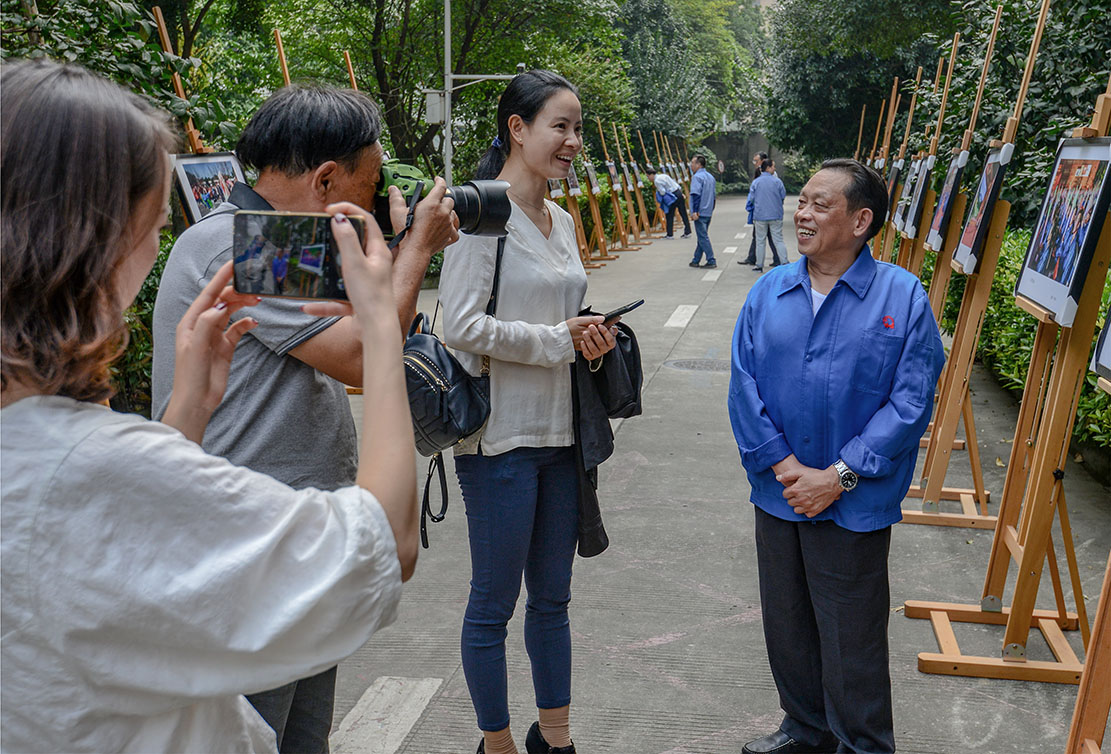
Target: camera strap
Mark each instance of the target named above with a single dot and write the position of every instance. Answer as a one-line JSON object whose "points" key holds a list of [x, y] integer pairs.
{"points": [[413, 200]]}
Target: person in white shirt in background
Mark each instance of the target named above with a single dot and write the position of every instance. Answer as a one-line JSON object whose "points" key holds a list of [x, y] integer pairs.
{"points": [[669, 195], [518, 475], [140, 572]]}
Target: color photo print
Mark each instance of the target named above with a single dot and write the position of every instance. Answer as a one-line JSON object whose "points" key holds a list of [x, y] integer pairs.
{"points": [[967, 253], [1101, 360], [935, 239], [592, 178], [204, 181], [907, 195], [555, 188], [893, 186], [912, 222], [1060, 251], [573, 188]]}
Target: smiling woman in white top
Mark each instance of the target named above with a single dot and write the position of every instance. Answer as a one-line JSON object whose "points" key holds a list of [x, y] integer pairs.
{"points": [[518, 476], [140, 572]]}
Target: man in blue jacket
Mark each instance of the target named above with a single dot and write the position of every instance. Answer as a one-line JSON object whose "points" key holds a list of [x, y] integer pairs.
{"points": [[765, 202], [703, 196], [835, 359]]}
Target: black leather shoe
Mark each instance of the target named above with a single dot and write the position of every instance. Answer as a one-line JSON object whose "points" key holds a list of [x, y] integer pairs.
{"points": [[481, 747], [780, 743], [535, 743]]}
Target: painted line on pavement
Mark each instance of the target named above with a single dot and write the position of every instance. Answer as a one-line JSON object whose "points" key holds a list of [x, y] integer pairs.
{"points": [[739, 235], [711, 277], [384, 715], [729, 250], [682, 315]]}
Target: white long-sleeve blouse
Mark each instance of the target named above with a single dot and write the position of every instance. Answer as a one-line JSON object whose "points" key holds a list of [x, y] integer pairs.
{"points": [[542, 284]]}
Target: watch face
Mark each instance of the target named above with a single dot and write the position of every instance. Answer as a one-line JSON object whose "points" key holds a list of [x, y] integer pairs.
{"points": [[848, 480]]}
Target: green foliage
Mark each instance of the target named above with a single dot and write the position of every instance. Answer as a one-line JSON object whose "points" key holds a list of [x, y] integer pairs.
{"points": [[1007, 339]]}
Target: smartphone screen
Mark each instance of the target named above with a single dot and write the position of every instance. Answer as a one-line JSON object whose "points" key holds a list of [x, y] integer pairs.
{"points": [[288, 254]]}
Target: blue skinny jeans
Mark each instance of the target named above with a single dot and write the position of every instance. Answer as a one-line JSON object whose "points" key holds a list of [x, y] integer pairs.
{"points": [[522, 517]]}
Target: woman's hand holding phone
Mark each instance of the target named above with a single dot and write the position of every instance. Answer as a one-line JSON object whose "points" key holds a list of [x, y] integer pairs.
{"points": [[203, 348], [591, 336]]}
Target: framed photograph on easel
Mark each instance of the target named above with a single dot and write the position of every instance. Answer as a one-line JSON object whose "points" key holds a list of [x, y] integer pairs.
{"points": [[935, 239], [893, 186], [967, 253], [555, 188], [204, 181], [573, 188], [908, 193], [592, 178], [1060, 251], [913, 220], [1101, 359]]}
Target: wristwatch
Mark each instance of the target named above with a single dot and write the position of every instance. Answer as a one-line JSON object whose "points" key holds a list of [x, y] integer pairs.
{"points": [[845, 475]]}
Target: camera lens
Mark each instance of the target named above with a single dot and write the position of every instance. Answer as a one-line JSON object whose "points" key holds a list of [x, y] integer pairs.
{"points": [[482, 206]]}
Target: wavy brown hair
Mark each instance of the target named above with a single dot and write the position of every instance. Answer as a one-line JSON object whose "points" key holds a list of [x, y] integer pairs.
{"points": [[79, 154]]}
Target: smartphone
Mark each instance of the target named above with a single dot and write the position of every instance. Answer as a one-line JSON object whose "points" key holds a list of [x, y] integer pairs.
{"points": [[288, 254], [610, 316]]}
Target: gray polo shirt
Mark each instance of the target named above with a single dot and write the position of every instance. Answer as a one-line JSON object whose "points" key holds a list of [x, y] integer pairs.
{"points": [[279, 415]]}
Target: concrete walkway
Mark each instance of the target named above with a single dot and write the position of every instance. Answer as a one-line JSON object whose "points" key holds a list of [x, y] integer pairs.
{"points": [[668, 646]]}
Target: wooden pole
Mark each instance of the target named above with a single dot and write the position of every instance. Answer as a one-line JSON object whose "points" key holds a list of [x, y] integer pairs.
{"points": [[630, 207], [192, 135], [620, 238], [641, 207], [879, 125], [1011, 130], [966, 142], [890, 230], [1093, 702], [892, 108], [281, 56], [350, 70], [860, 131]]}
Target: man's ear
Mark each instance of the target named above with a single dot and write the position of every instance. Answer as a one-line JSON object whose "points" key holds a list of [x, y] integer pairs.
{"points": [[322, 178], [862, 221]]}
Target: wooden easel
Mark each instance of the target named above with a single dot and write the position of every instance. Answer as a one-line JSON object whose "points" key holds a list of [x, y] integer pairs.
{"points": [[910, 249], [643, 212], [860, 131], [350, 70], [876, 138], [1093, 702], [881, 160], [659, 218], [619, 241], [281, 56], [625, 180], [192, 135], [572, 204], [939, 283], [1033, 493], [597, 240], [954, 404], [889, 227]]}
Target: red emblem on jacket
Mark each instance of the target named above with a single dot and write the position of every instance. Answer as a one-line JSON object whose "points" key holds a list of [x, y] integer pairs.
{"points": [[889, 322]]}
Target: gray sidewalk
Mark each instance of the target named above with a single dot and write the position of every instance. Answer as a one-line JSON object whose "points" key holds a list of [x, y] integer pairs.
{"points": [[668, 646]]}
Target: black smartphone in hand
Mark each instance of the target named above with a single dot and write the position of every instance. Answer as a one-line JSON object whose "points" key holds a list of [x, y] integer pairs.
{"points": [[610, 316], [288, 254]]}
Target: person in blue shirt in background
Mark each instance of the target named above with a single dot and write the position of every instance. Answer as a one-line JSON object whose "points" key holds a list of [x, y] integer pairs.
{"points": [[703, 196], [765, 202], [835, 358]]}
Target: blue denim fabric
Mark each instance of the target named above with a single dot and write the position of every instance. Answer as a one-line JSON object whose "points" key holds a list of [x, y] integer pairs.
{"points": [[702, 233], [300, 712], [856, 382], [522, 516]]}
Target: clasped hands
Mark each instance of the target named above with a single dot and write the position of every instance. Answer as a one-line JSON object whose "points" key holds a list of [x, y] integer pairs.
{"points": [[808, 490]]}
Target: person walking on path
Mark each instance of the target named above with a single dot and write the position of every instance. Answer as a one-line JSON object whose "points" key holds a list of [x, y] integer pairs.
{"points": [[757, 161], [765, 201], [669, 195], [834, 364], [518, 475], [703, 198]]}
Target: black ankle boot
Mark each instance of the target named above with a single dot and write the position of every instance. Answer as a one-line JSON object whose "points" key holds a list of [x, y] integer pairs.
{"points": [[535, 743]]}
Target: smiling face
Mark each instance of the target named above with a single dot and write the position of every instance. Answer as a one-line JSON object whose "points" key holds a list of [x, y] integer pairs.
{"points": [[824, 225], [550, 142]]}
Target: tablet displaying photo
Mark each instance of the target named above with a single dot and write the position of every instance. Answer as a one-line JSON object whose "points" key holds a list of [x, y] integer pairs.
{"points": [[935, 239], [967, 253], [1064, 239]]}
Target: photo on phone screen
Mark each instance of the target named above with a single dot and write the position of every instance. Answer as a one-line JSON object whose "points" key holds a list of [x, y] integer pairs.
{"points": [[287, 254]]}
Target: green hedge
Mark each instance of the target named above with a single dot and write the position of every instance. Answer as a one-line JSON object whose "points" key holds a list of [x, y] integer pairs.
{"points": [[1007, 338]]}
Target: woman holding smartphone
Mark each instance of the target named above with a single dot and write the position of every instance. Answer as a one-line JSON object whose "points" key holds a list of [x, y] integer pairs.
{"points": [[518, 476], [138, 570]]}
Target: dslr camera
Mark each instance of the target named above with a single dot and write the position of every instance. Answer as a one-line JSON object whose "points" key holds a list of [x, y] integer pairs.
{"points": [[482, 206]]}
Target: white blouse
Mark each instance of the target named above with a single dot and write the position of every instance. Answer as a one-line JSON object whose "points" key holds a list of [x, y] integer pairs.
{"points": [[148, 585], [542, 284]]}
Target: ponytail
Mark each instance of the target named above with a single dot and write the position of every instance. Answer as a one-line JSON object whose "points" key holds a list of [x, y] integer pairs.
{"points": [[491, 163]]}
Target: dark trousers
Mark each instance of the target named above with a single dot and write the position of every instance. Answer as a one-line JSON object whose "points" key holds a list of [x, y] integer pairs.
{"points": [[825, 600], [752, 249], [681, 205], [300, 713], [522, 518]]}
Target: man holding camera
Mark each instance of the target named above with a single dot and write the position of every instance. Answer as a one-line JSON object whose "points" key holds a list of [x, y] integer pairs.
{"points": [[286, 412]]}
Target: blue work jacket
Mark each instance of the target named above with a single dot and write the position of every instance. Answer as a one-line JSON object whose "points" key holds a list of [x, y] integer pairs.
{"points": [[703, 193], [856, 382], [765, 198]]}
